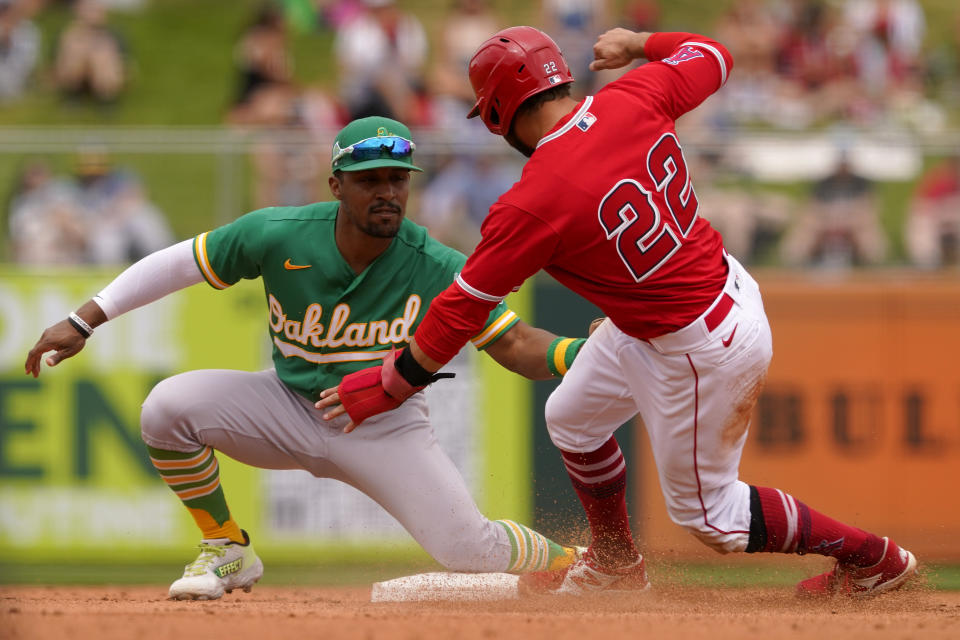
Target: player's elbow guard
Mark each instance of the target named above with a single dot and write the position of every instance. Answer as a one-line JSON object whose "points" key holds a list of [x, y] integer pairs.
{"points": [[561, 353]]}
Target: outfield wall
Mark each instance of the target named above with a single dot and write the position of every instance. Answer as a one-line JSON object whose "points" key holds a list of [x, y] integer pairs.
{"points": [[860, 417]]}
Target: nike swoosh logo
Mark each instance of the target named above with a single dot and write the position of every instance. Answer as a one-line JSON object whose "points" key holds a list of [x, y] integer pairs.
{"points": [[289, 266], [868, 583], [726, 343]]}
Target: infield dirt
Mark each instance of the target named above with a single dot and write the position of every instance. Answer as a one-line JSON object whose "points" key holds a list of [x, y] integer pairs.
{"points": [[124, 613]]}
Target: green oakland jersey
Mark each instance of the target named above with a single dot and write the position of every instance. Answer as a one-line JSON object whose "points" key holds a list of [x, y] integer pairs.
{"points": [[325, 320]]}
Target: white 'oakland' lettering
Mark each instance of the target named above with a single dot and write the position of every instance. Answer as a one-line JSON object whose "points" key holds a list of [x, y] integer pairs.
{"points": [[341, 332]]}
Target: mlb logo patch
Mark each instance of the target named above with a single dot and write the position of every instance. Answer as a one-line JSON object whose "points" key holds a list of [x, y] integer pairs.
{"points": [[586, 121], [554, 79]]}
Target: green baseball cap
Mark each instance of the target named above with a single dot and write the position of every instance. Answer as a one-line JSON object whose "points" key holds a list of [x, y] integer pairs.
{"points": [[370, 143]]}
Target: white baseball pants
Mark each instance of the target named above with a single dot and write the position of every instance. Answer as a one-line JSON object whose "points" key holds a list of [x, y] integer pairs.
{"points": [[694, 389]]}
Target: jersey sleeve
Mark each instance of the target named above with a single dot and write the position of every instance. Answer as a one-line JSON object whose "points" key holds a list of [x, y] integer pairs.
{"points": [[498, 323], [684, 70], [232, 252], [499, 320], [514, 246]]}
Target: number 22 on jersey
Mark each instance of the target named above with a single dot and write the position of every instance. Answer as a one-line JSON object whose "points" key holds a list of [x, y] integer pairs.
{"points": [[645, 238]]}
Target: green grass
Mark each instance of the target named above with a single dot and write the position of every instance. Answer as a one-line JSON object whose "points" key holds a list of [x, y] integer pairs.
{"points": [[943, 577], [310, 574]]}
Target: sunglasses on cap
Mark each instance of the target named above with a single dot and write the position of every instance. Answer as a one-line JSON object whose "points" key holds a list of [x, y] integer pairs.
{"points": [[372, 148]]}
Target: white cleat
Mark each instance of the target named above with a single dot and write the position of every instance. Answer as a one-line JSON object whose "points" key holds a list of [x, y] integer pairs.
{"points": [[221, 567], [588, 576]]}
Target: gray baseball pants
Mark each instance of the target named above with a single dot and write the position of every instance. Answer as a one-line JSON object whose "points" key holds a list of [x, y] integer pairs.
{"points": [[394, 457]]}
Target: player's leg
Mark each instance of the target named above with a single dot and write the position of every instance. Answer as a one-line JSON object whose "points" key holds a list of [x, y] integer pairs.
{"points": [[582, 415], [396, 460], [697, 390], [698, 456], [779, 523], [245, 415]]}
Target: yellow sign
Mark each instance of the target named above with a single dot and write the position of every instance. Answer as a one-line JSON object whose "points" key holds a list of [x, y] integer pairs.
{"points": [[74, 474]]}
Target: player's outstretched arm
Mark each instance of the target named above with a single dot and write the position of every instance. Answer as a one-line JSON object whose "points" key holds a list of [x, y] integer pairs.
{"points": [[65, 338], [617, 48], [536, 353], [522, 349], [150, 279]]}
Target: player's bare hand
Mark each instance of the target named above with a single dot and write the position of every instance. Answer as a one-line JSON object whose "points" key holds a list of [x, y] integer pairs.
{"points": [[60, 338], [617, 48], [594, 325], [330, 399]]}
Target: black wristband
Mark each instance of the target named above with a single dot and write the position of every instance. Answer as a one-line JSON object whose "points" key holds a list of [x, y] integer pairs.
{"points": [[411, 370], [80, 325]]}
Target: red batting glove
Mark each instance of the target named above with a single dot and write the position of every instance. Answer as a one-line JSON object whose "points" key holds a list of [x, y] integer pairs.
{"points": [[372, 391]]}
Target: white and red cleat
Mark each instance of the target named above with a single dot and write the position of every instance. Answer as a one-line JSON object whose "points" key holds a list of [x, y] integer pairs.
{"points": [[896, 566], [585, 576]]}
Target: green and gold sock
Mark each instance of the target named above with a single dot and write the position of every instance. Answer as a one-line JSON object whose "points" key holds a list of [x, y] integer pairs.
{"points": [[195, 478], [532, 551]]}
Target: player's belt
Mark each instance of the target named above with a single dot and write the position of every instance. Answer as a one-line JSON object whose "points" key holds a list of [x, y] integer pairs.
{"points": [[719, 312]]}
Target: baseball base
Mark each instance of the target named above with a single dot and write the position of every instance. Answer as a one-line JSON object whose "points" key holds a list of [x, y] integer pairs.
{"points": [[459, 587]]}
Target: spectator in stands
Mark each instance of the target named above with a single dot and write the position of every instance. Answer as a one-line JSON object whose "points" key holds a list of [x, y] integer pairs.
{"points": [[752, 32], [287, 159], [575, 25], [263, 58], [19, 49], [455, 202], [283, 114], [750, 220], [816, 62], [123, 224], [90, 56], [47, 225], [465, 181], [642, 15], [381, 55], [336, 13], [890, 34], [462, 30], [933, 225], [840, 227]]}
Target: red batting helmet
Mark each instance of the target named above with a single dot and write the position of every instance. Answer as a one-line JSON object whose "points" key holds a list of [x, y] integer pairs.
{"points": [[511, 66]]}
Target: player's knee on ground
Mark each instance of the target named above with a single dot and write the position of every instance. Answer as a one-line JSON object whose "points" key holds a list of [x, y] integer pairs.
{"points": [[162, 423]]}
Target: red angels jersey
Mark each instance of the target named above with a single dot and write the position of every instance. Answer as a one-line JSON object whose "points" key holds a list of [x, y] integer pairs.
{"points": [[606, 206]]}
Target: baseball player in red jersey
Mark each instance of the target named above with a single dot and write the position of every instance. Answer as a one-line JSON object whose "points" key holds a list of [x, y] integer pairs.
{"points": [[606, 206]]}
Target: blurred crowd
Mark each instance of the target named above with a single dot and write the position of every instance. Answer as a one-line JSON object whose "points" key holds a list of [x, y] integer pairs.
{"points": [[801, 65], [97, 214], [90, 61]]}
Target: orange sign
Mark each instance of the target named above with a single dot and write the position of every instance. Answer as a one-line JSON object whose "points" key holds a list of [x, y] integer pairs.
{"points": [[860, 417]]}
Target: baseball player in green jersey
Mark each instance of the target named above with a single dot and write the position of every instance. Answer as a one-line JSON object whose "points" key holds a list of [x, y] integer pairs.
{"points": [[346, 282]]}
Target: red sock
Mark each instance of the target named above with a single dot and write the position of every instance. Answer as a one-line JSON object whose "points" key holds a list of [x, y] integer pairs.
{"points": [[781, 523], [600, 480]]}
